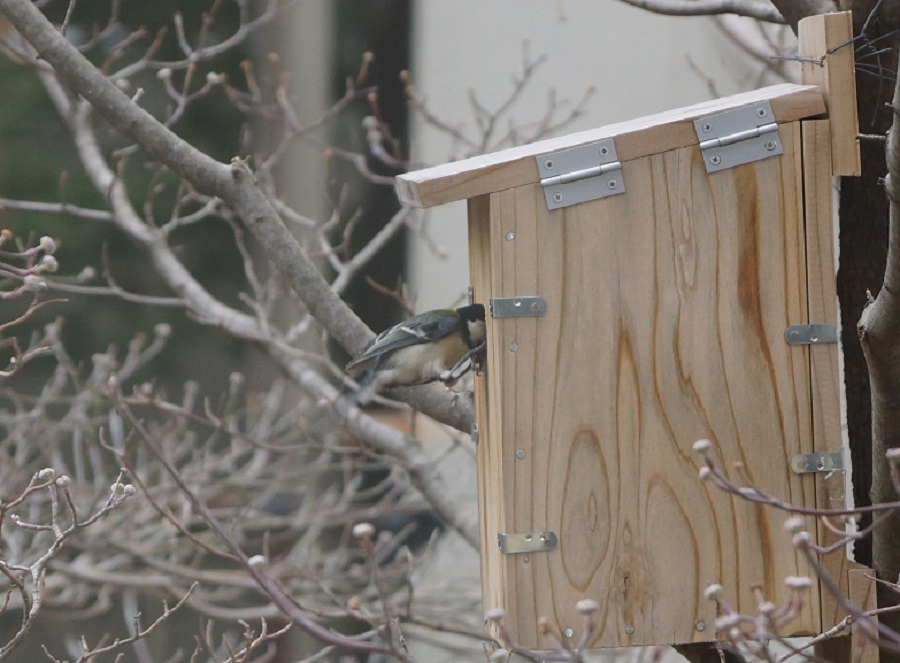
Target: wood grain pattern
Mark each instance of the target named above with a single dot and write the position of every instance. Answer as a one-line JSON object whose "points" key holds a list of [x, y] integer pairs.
{"points": [[634, 139], [836, 77], [824, 367], [666, 313], [825, 374], [862, 594]]}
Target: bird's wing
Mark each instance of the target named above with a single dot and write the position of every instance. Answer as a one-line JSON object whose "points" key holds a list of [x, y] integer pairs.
{"points": [[414, 331]]}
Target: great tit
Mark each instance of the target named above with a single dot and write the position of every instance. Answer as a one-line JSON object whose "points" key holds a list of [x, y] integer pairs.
{"points": [[435, 345]]}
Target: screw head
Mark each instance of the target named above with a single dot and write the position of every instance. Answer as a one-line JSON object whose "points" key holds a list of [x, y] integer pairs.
{"points": [[513, 347], [770, 145], [700, 625], [520, 454], [613, 184], [715, 159], [548, 163], [557, 197], [526, 559], [629, 629], [707, 127], [761, 112], [510, 236], [569, 632], [604, 151]]}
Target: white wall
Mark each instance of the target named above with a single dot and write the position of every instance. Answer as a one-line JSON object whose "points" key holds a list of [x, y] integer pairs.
{"points": [[639, 63]]}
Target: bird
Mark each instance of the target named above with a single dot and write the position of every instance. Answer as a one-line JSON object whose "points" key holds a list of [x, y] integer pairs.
{"points": [[438, 345]]}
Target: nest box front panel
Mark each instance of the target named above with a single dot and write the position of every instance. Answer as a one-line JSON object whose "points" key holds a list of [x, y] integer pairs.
{"points": [[666, 309]]}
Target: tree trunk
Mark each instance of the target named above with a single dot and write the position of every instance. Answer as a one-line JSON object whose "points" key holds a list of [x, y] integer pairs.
{"points": [[879, 335]]}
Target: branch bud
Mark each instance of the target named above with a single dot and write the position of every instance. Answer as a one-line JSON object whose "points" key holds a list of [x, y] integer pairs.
{"points": [[587, 606], [494, 615], [46, 474], [795, 524], [363, 531], [702, 446], [48, 245], [33, 283], [799, 583], [50, 264]]}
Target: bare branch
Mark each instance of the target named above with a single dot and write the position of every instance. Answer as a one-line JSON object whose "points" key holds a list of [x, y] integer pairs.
{"points": [[762, 11]]}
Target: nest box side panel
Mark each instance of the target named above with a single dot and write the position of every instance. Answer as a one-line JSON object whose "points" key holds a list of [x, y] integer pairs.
{"points": [[490, 497], [666, 312]]}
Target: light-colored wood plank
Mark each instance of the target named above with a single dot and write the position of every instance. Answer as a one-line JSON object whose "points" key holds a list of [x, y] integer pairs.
{"points": [[825, 381], [487, 409], [824, 368], [862, 594], [836, 76], [665, 321], [634, 139]]}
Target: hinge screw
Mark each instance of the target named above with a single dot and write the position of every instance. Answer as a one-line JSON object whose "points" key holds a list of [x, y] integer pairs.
{"points": [[569, 632], [557, 197], [548, 164], [770, 145], [715, 159], [604, 151], [760, 112], [612, 184], [629, 629], [707, 127]]}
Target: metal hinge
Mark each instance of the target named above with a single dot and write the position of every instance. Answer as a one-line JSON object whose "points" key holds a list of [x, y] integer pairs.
{"points": [[826, 461], [518, 307], [816, 334], [526, 542], [738, 136], [579, 174]]}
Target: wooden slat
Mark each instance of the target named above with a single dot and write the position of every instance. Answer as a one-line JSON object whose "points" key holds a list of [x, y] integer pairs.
{"points": [[862, 595], [826, 385], [487, 409], [835, 75], [823, 308], [665, 321], [634, 139]]}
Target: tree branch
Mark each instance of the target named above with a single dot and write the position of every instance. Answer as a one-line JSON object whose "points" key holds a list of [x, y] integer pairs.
{"points": [[759, 10], [879, 335], [234, 184]]}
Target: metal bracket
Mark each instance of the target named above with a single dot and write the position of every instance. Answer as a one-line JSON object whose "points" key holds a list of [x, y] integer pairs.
{"points": [[738, 136], [826, 461], [526, 542], [579, 174], [518, 307], [816, 334]]}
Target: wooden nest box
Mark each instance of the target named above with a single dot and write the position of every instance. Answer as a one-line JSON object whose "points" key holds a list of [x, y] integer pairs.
{"points": [[652, 283]]}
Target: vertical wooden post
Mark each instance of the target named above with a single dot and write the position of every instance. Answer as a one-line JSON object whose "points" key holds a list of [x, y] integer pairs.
{"points": [[826, 52]]}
